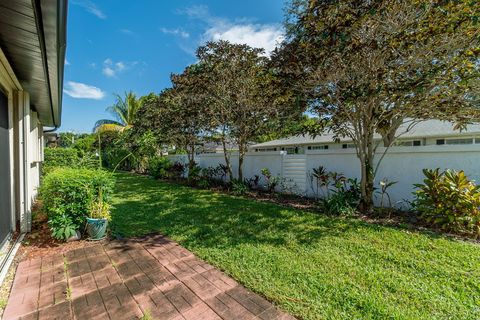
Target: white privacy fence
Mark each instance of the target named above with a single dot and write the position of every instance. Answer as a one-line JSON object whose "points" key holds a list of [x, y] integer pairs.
{"points": [[401, 164]]}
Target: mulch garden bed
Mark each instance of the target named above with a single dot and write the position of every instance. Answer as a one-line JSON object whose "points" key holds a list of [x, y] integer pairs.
{"points": [[39, 242]]}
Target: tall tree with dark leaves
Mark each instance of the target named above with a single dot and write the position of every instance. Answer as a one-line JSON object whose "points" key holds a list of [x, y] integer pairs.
{"points": [[368, 68], [180, 115]]}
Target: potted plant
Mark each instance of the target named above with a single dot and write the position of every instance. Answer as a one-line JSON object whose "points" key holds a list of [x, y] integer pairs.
{"points": [[98, 220]]}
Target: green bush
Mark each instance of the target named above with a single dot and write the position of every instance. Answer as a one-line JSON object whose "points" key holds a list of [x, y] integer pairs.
{"points": [[271, 181], [239, 187], [59, 157], [68, 158], [177, 170], [195, 173], [449, 200], [62, 226], [345, 196], [89, 160], [86, 143], [68, 195], [159, 167]]}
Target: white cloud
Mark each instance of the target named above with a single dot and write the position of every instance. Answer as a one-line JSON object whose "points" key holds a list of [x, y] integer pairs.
{"points": [[176, 32], [111, 68], [196, 11], [240, 31], [67, 63], [119, 66], [83, 91], [255, 35], [127, 32], [109, 72], [90, 7]]}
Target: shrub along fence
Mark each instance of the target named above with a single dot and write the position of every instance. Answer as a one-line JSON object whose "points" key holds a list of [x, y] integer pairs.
{"points": [[403, 165], [68, 158]]}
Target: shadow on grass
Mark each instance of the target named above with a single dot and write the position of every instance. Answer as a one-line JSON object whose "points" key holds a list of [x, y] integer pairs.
{"points": [[143, 205]]}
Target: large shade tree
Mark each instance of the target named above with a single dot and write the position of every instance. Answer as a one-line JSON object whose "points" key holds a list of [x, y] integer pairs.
{"points": [[369, 68], [245, 96], [189, 110], [123, 110], [180, 115]]}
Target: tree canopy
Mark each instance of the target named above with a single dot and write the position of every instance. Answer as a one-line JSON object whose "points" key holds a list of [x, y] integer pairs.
{"points": [[367, 67]]}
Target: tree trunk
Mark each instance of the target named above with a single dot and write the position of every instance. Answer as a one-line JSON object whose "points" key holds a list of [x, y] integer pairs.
{"points": [[241, 155], [389, 135], [240, 166], [227, 159], [191, 158], [366, 154], [367, 185]]}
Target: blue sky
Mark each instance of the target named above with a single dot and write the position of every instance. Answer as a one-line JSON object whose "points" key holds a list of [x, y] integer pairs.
{"points": [[115, 46]]}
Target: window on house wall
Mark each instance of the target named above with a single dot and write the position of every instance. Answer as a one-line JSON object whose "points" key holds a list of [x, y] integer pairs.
{"points": [[459, 141], [348, 146], [455, 141], [409, 143], [295, 150], [322, 147], [265, 149]]}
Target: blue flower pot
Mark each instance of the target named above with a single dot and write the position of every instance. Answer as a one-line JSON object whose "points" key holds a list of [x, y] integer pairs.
{"points": [[96, 228]]}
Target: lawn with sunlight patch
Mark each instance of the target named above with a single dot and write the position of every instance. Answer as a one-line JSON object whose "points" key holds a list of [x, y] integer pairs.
{"points": [[311, 265]]}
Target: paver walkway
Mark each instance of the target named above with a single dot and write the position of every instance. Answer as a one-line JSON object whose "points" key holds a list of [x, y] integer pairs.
{"points": [[150, 277]]}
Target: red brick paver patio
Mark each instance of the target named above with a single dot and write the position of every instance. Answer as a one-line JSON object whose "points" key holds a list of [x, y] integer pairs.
{"points": [[151, 277]]}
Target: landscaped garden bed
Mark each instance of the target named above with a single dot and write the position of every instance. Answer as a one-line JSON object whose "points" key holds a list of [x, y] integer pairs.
{"points": [[313, 265]]}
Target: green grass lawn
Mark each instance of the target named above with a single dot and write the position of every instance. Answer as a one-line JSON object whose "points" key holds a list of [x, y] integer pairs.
{"points": [[314, 266]]}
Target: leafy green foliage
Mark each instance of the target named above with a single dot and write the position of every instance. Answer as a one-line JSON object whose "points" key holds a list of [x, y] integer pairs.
{"points": [[239, 187], [163, 168], [449, 200], [195, 173], [62, 226], [178, 115], [385, 184], [124, 110], [67, 139], [71, 193], [271, 181], [86, 143], [245, 97], [344, 198], [159, 167], [339, 195], [177, 170], [312, 265], [59, 157], [68, 158], [369, 67], [100, 210]]}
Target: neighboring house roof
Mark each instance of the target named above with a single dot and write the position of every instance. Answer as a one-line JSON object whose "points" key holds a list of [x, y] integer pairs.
{"points": [[424, 129], [33, 39]]}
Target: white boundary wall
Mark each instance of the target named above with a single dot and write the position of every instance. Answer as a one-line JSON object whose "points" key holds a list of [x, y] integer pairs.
{"points": [[401, 164]]}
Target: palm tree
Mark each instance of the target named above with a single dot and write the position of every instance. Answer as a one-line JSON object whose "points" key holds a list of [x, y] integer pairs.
{"points": [[124, 110]]}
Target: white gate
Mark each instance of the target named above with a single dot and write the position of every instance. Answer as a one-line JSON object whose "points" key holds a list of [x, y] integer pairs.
{"points": [[294, 170]]}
